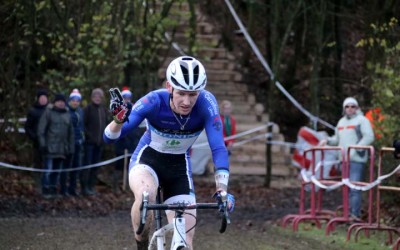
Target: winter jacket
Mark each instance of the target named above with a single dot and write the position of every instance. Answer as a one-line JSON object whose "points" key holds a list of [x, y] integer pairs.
{"points": [[77, 123], [350, 131], [56, 133], [95, 118], [32, 121]]}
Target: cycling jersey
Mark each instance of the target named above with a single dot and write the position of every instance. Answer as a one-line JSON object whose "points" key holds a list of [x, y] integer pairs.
{"points": [[164, 128]]}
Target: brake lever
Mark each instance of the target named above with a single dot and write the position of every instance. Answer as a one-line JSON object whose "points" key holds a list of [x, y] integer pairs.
{"points": [[223, 208], [143, 212]]}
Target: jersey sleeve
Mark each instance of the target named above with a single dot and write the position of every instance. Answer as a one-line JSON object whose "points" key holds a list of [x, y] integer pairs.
{"points": [[214, 130], [140, 110]]}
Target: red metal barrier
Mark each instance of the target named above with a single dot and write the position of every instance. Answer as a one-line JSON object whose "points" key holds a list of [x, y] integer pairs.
{"points": [[330, 226], [315, 213], [377, 225], [396, 245]]}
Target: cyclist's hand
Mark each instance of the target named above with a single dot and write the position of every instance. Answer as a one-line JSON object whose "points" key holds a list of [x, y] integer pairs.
{"points": [[231, 202], [118, 107], [229, 198]]}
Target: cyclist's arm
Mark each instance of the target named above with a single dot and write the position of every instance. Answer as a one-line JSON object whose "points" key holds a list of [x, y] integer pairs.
{"points": [[139, 112], [213, 127]]}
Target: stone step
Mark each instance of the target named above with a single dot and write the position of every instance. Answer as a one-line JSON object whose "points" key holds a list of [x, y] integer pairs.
{"points": [[219, 64], [213, 53], [226, 96], [203, 53], [227, 86], [210, 64], [201, 28], [208, 40]]}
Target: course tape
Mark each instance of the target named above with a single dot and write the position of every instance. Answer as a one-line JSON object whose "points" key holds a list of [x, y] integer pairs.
{"points": [[196, 146], [103, 163], [308, 179]]}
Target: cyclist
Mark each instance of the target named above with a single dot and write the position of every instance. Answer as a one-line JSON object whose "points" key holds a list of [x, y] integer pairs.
{"points": [[175, 117]]}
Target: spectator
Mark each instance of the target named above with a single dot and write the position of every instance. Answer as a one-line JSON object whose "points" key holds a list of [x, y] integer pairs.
{"points": [[229, 123], [95, 118], [129, 142], [74, 160], [353, 129], [31, 125], [56, 142]]}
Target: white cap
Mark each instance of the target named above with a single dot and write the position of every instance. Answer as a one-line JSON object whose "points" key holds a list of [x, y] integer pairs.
{"points": [[350, 100]]}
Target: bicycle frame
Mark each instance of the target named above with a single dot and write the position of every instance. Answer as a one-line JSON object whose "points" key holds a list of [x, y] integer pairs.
{"points": [[178, 225]]}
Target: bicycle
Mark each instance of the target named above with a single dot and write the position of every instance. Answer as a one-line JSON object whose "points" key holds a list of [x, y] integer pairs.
{"points": [[178, 225]]}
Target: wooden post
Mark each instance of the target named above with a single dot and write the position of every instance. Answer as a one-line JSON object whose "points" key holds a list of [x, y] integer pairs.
{"points": [[268, 155], [125, 171]]}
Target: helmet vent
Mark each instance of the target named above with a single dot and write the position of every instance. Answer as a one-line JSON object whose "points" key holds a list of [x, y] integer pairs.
{"points": [[185, 73], [196, 73], [174, 81]]}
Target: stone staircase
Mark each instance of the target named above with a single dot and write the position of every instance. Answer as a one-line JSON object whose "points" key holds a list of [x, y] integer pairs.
{"points": [[225, 81]]}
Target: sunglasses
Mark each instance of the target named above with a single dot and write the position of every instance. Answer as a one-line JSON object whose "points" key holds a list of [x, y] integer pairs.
{"points": [[352, 106]]}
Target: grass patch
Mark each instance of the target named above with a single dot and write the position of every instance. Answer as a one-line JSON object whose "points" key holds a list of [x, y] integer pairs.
{"points": [[337, 239]]}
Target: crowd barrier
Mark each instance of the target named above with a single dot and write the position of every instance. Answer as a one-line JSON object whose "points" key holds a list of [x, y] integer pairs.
{"points": [[377, 225], [318, 185], [363, 186], [315, 213]]}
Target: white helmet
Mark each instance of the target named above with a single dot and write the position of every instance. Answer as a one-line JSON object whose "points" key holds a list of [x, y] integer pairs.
{"points": [[187, 73]]}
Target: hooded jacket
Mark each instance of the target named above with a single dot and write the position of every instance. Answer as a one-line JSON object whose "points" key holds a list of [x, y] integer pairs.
{"points": [[56, 133], [353, 130]]}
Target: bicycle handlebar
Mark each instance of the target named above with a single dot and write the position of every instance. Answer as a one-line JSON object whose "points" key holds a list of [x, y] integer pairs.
{"points": [[221, 205]]}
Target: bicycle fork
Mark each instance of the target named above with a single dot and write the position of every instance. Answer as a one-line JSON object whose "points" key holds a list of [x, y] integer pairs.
{"points": [[179, 237]]}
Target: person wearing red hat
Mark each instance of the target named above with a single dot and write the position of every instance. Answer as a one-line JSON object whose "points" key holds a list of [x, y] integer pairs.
{"points": [[126, 93], [68, 180]]}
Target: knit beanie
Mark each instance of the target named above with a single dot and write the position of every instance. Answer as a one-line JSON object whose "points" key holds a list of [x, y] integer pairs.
{"points": [[98, 91], [350, 100], [75, 95], [59, 97], [126, 93]]}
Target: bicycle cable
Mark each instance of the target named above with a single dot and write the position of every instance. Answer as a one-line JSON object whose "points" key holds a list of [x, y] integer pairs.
{"points": [[195, 222], [180, 235]]}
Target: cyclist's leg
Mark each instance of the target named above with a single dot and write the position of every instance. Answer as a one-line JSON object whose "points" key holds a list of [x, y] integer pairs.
{"points": [[142, 178], [190, 215]]}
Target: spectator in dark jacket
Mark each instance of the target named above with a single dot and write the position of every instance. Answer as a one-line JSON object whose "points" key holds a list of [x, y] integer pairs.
{"points": [[68, 179], [31, 125], [96, 118], [56, 142]]}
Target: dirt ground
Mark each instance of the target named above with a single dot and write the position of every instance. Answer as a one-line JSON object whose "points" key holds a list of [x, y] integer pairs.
{"points": [[27, 221]]}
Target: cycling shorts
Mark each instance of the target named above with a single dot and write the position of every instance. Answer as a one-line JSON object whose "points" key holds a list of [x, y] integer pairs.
{"points": [[172, 171]]}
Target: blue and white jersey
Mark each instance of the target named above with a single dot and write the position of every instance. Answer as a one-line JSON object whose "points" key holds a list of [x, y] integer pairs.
{"points": [[164, 133]]}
